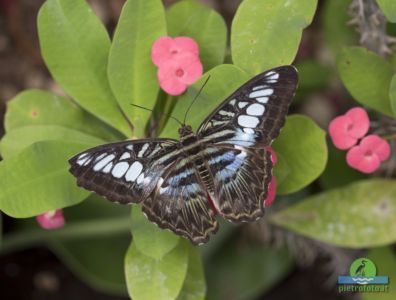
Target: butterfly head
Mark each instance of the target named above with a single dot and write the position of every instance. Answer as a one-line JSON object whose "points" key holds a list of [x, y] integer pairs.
{"points": [[185, 130]]}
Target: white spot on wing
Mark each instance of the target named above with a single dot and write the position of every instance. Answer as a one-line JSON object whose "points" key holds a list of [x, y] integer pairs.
{"points": [[273, 76], [262, 99], [134, 171], [125, 155], [120, 169], [226, 113], [259, 87], [270, 73], [248, 121], [261, 93], [242, 104], [248, 130], [129, 147], [255, 109], [107, 169], [232, 102], [82, 159], [100, 164], [140, 178], [143, 150]]}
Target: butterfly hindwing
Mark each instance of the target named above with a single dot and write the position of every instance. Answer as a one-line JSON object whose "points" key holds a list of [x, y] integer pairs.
{"points": [[124, 172], [180, 203], [240, 177]]}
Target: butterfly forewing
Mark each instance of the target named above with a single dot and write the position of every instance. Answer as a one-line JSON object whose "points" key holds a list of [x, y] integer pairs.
{"points": [[125, 172], [254, 114]]}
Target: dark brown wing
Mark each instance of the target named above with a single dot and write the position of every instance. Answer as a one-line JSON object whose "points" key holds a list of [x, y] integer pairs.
{"points": [[124, 172], [180, 203]]}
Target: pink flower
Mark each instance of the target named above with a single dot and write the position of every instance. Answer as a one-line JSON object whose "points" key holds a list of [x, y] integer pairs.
{"points": [[274, 157], [272, 186], [176, 75], [347, 129], [166, 48], [368, 155], [51, 220], [178, 63], [271, 192]]}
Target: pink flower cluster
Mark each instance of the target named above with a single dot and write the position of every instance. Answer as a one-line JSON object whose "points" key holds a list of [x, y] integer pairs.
{"points": [[178, 63], [347, 130], [51, 220], [272, 186]]}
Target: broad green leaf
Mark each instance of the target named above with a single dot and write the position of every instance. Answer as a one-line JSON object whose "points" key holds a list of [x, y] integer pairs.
{"points": [[93, 218], [149, 239], [99, 261], [245, 272], [336, 31], [194, 287], [37, 180], [337, 172], [392, 94], [267, 33], [388, 7], [149, 278], [367, 77], [36, 107], [204, 25], [131, 73], [384, 259], [224, 80], [75, 47], [359, 215], [312, 75], [302, 154], [18, 139]]}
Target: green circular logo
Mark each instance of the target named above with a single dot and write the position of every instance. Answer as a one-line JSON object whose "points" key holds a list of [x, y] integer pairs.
{"points": [[363, 267]]}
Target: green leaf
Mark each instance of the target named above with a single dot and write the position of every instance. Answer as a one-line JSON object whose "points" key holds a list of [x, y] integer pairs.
{"points": [[75, 47], [266, 34], [388, 7], [302, 154], [96, 260], [224, 80], [246, 272], [204, 25], [93, 218], [392, 94], [131, 73], [359, 215], [385, 261], [194, 287], [149, 278], [149, 239], [367, 77], [336, 31], [37, 180], [36, 107], [337, 172], [18, 139]]}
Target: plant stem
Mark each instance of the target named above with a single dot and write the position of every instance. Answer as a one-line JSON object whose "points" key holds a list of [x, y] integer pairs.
{"points": [[77, 230]]}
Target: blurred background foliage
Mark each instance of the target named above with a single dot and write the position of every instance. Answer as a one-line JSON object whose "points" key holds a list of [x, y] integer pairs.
{"points": [[325, 215]]}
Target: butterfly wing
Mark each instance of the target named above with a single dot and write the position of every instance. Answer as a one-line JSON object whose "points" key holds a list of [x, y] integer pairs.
{"points": [[180, 203], [152, 172], [124, 172], [240, 129]]}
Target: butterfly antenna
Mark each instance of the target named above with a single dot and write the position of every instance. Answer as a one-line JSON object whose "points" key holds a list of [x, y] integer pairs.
{"points": [[170, 116], [195, 98]]}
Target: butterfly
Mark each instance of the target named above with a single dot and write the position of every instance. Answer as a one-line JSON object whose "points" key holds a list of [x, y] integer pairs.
{"points": [[224, 168]]}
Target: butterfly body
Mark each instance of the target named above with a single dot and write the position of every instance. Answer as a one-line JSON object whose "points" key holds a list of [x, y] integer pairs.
{"points": [[223, 168]]}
